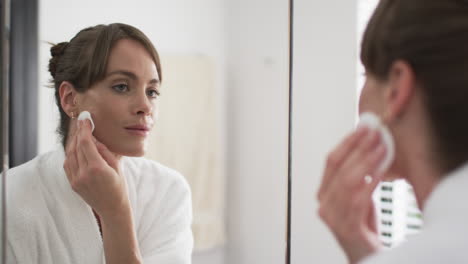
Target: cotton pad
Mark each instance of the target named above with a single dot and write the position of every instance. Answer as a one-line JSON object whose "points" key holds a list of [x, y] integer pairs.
{"points": [[373, 122], [86, 115]]}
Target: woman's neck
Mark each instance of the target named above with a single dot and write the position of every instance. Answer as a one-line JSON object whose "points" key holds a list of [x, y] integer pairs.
{"points": [[416, 161], [421, 169], [424, 182]]}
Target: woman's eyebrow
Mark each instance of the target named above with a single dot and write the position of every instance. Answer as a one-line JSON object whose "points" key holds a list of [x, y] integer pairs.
{"points": [[132, 76], [154, 81]]}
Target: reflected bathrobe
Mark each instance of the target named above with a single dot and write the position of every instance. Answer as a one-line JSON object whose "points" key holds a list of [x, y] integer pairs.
{"points": [[444, 238], [47, 222]]}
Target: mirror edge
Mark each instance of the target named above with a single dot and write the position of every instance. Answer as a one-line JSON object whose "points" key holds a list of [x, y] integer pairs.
{"points": [[4, 97]]}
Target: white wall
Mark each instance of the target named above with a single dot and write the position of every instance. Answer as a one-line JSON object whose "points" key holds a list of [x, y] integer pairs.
{"points": [[257, 98], [324, 110]]}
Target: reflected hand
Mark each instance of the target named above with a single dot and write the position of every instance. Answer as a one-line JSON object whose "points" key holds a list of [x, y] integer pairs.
{"points": [[93, 172], [346, 198]]}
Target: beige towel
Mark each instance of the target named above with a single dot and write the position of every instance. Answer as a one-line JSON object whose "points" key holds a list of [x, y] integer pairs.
{"points": [[187, 138]]}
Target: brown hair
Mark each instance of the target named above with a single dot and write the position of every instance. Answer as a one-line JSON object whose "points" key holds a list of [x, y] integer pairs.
{"points": [[83, 60], [432, 37]]}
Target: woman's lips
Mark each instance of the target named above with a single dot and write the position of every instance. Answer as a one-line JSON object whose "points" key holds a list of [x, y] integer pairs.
{"points": [[138, 130]]}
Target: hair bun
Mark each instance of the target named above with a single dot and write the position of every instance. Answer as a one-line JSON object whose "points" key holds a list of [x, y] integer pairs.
{"points": [[56, 51]]}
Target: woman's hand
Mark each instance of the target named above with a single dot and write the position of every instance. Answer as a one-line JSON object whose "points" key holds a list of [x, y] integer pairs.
{"points": [[345, 196], [93, 172]]}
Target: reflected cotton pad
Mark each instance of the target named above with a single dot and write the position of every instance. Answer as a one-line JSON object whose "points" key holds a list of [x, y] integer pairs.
{"points": [[86, 115], [373, 122]]}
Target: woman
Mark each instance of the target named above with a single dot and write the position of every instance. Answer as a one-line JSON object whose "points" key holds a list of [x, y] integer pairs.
{"points": [[416, 59], [94, 200]]}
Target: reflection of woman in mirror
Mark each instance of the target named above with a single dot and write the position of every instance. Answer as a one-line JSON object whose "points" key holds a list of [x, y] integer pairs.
{"points": [[416, 58], [97, 199]]}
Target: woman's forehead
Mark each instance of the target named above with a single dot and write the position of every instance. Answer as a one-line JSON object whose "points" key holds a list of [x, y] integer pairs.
{"points": [[130, 58]]}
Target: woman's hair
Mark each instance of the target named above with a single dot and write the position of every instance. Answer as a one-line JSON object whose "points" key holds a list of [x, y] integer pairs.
{"points": [[83, 60], [432, 37]]}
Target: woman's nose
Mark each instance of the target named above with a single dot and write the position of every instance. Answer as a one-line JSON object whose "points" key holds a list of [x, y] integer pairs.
{"points": [[143, 105]]}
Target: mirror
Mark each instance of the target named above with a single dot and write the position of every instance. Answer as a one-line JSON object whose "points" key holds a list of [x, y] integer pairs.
{"points": [[328, 77], [223, 120]]}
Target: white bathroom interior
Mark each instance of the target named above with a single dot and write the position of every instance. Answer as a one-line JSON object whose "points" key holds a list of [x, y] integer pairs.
{"points": [[225, 111]]}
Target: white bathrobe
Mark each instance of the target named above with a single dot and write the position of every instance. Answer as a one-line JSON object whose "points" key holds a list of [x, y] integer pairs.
{"points": [[444, 238], [47, 222]]}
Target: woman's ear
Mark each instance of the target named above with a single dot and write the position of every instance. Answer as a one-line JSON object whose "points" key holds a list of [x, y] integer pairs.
{"points": [[68, 97], [402, 85]]}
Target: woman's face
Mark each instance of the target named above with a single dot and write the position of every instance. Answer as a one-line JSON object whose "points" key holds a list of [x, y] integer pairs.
{"points": [[372, 96], [123, 105], [372, 99]]}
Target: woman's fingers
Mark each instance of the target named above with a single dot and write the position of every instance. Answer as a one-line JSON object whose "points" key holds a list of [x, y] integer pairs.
{"points": [[338, 156], [71, 160], [346, 204], [362, 161], [90, 175], [348, 194], [351, 184], [82, 159], [71, 156], [350, 197], [375, 178], [371, 216], [87, 144], [107, 155], [70, 138]]}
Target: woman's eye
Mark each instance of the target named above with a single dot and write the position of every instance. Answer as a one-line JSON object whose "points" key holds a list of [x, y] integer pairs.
{"points": [[153, 93], [120, 87]]}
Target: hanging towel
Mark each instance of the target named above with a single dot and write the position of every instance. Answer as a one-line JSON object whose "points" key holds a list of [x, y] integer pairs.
{"points": [[187, 137]]}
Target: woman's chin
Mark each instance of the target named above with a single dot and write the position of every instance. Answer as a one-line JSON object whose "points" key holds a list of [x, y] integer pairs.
{"points": [[129, 151], [133, 153]]}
